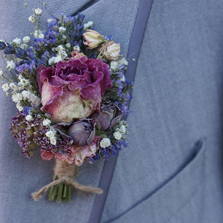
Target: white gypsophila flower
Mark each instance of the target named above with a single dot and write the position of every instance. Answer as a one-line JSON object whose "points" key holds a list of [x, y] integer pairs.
{"points": [[64, 37], [29, 118], [122, 129], [34, 99], [17, 41], [51, 61], [122, 78], [46, 122], [26, 39], [54, 60], [50, 134], [38, 11], [63, 54], [76, 48], [10, 65], [41, 36], [49, 20], [32, 18], [5, 87], [114, 65], [13, 86], [17, 97], [59, 48], [26, 94], [88, 25], [117, 135], [58, 58], [105, 142], [62, 29], [37, 33], [1, 73], [53, 130], [19, 107], [53, 140], [123, 122], [68, 45], [20, 77], [24, 46], [23, 82], [124, 62]]}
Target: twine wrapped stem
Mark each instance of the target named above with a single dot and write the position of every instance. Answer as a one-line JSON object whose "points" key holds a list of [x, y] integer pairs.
{"points": [[63, 182]]}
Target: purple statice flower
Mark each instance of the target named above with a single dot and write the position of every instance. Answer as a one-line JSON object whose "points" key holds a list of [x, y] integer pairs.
{"points": [[52, 23], [109, 38], [26, 67], [26, 110], [30, 53], [77, 30]]}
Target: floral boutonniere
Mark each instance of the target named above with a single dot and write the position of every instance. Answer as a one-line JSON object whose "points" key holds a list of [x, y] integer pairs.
{"points": [[69, 87]]}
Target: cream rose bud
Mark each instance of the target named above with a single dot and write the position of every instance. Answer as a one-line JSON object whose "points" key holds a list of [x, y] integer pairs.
{"points": [[38, 11], [112, 51], [93, 38]]}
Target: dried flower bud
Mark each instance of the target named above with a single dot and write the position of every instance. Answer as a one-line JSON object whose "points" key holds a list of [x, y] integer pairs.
{"points": [[109, 115], [112, 51], [93, 38], [82, 132]]}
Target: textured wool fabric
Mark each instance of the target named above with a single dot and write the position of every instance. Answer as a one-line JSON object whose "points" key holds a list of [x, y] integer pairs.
{"points": [[19, 176], [164, 175]]}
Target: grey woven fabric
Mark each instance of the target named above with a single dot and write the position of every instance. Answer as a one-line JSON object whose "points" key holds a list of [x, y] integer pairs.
{"points": [[172, 169], [177, 100], [19, 176]]}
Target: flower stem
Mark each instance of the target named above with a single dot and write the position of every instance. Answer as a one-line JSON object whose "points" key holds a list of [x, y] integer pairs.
{"points": [[60, 192], [50, 195]]}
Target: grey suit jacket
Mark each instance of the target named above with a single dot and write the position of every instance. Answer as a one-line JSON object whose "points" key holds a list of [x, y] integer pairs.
{"points": [[172, 169]]}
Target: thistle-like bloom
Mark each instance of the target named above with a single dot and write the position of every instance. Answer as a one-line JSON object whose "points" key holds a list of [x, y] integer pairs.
{"points": [[112, 51], [93, 38]]}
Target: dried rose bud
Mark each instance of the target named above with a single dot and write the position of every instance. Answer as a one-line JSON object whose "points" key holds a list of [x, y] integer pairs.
{"points": [[82, 132], [112, 51], [109, 115], [93, 38]]}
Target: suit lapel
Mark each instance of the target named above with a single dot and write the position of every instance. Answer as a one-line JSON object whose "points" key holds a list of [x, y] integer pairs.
{"points": [[132, 55]]}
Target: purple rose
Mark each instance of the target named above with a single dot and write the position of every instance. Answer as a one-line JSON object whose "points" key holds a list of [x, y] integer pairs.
{"points": [[109, 115], [74, 88], [82, 132]]}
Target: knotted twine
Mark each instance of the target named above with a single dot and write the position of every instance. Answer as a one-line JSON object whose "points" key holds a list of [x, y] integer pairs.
{"points": [[66, 173]]}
